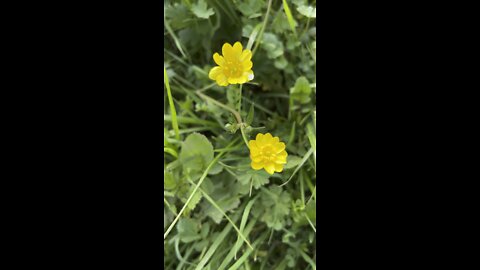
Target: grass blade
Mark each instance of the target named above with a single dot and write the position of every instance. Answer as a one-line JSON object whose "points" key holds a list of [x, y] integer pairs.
{"points": [[299, 166], [209, 199], [244, 221], [188, 120], [172, 106], [245, 255], [290, 19], [313, 142], [175, 39], [170, 151], [229, 257], [263, 28], [213, 247], [204, 175], [253, 35]]}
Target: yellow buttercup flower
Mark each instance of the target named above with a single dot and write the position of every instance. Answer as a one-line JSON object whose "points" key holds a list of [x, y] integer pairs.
{"points": [[234, 67], [267, 153]]}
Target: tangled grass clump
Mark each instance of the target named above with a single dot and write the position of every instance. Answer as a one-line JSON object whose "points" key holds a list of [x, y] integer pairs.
{"points": [[236, 196]]}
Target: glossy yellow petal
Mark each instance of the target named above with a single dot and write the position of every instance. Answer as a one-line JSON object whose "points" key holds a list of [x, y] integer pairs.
{"points": [[245, 55], [253, 145], [278, 167], [259, 137], [269, 167], [256, 166], [214, 72], [268, 138], [255, 154], [232, 80], [279, 147], [227, 51], [237, 49], [256, 158], [222, 79], [219, 60], [247, 65], [281, 160], [282, 154], [242, 79]]}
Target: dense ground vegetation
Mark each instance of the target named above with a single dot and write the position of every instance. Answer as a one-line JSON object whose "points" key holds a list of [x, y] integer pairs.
{"points": [[220, 213]]}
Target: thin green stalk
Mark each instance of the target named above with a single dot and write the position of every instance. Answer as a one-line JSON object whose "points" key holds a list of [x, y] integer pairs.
{"points": [[313, 194], [234, 112], [169, 206], [175, 39], [172, 106], [170, 151], [239, 109], [307, 155], [191, 195], [239, 104], [302, 188], [209, 199], [204, 175], [263, 28], [311, 224], [292, 135], [290, 19], [245, 255]]}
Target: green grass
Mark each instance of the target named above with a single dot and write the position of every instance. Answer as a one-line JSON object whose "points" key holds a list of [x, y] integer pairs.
{"points": [[219, 213]]}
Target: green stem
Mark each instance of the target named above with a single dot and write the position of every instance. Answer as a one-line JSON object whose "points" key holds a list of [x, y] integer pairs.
{"points": [[239, 95], [244, 136], [172, 105], [204, 175], [239, 109], [234, 112], [263, 28]]}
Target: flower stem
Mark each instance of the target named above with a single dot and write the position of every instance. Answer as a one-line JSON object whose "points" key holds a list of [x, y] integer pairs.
{"points": [[239, 109], [263, 28], [239, 97], [244, 136], [234, 112]]}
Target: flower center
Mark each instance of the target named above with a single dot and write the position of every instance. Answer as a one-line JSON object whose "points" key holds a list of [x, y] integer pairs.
{"points": [[233, 69], [268, 153]]}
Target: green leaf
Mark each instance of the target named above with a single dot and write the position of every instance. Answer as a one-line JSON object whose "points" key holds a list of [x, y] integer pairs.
{"points": [[195, 199], [249, 7], [281, 62], [272, 45], [196, 152], [307, 11], [259, 178], [292, 161], [169, 181], [225, 196], [276, 203], [280, 24], [177, 15], [200, 10], [225, 204], [188, 230], [301, 91], [216, 169]]}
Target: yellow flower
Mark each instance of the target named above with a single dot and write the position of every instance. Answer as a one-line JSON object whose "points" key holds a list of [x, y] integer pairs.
{"points": [[267, 153], [234, 67]]}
